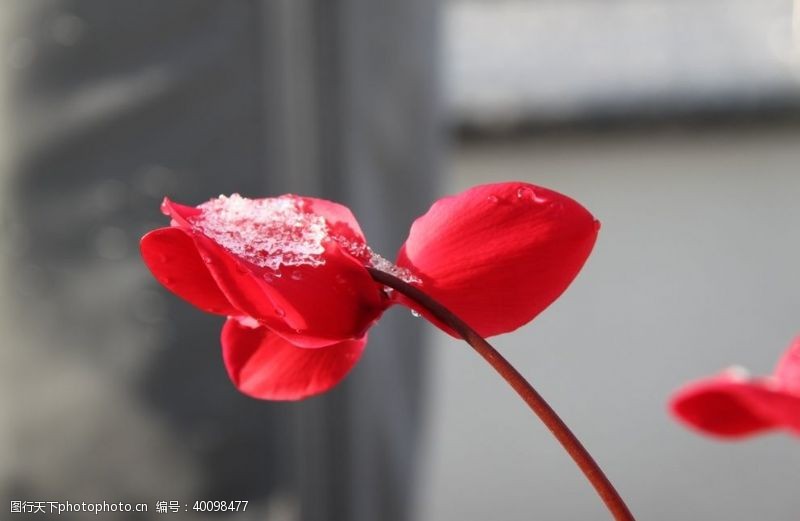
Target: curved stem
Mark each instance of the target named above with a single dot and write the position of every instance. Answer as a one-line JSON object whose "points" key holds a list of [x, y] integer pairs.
{"points": [[619, 510]]}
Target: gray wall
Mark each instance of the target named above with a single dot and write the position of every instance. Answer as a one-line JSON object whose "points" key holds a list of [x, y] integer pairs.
{"points": [[512, 61]]}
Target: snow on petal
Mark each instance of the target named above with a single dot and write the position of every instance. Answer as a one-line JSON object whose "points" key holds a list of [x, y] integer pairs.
{"points": [[269, 233], [275, 261]]}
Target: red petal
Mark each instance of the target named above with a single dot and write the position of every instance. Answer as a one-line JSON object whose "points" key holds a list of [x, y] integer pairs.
{"points": [[341, 220], [179, 213], [264, 365], [173, 259], [730, 406], [497, 255], [787, 372], [310, 304]]}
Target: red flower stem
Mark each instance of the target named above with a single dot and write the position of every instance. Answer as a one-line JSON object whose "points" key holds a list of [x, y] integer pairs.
{"points": [[619, 510]]}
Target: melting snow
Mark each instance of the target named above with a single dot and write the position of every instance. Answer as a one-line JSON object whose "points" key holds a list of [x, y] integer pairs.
{"points": [[269, 233], [276, 232], [364, 253]]}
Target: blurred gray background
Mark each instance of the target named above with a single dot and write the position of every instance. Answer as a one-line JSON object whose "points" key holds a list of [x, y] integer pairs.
{"points": [[695, 269], [112, 389], [675, 122]]}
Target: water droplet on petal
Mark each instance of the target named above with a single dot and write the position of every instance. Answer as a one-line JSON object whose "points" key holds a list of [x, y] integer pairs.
{"points": [[538, 198], [493, 199], [738, 372], [207, 259], [167, 281], [525, 193], [597, 225], [296, 275], [280, 312]]}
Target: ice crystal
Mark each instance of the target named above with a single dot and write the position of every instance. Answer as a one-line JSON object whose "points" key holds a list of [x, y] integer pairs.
{"points": [[365, 254], [269, 233]]}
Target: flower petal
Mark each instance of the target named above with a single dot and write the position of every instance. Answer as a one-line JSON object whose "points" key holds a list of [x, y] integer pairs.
{"points": [[498, 254], [314, 293], [787, 373], [341, 220], [264, 365], [730, 406], [172, 257]]}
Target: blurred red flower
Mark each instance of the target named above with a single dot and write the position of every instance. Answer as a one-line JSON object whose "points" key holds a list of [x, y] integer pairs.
{"points": [[290, 274], [733, 405]]}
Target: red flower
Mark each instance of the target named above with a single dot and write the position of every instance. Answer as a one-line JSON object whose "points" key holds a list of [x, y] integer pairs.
{"points": [[732, 405], [290, 274]]}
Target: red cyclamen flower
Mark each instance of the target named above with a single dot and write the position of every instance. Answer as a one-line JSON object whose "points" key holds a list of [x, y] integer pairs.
{"points": [[732, 405], [290, 273]]}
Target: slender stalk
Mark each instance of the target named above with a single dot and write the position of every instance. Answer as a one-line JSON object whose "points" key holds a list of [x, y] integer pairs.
{"points": [[619, 510]]}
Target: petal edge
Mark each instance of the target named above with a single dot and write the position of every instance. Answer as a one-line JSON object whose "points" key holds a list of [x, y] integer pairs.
{"points": [[171, 256], [264, 365], [497, 255]]}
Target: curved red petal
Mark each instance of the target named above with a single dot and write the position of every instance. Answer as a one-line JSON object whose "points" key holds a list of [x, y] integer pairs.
{"points": [[276, 261], [730, 406], [264, 365], [498, 254], [179, 213], [341, 220], [172, 258], [787, 373]]}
